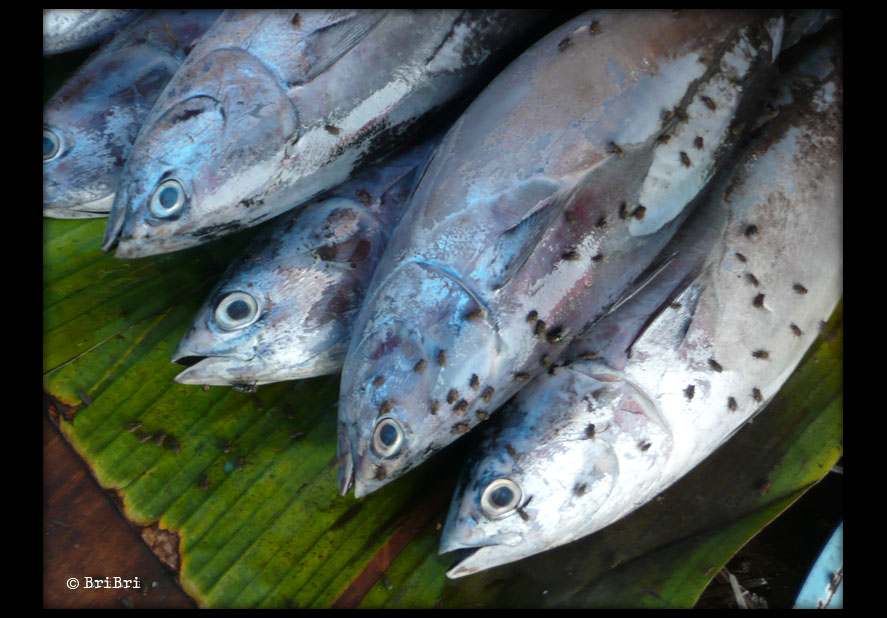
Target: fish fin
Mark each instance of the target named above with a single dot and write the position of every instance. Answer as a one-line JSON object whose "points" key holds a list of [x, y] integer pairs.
{"points": [[326, 46], [514, 246], [671, 325]]}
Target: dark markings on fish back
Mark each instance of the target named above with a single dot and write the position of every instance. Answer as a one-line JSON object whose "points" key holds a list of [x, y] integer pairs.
{"points": [[761, 354], [698, 143], [598, 258], [511, 452], [675, 305], [589, 431], [623, 210], [332, 130], [594, 27], [685, 159], [474, 382], [461, 428], [419, 367], [689, 391], [522, 376], [296, 20], [664, 138], [442, 358], [751, 279], [715, 365], [579, 490], [797, 331], [379, 381], [709, 103], [435, 406], [751, 230], [601, 222], [644, 445], [385, 407], [800, 289], [532, 315], [474, 314], [539, 328], [756, 394], [731, 403], [545, 360], [740, 257], [460, 407], [564, 44], [482, 415], [758, 301], [452, 395], [639, 212]]}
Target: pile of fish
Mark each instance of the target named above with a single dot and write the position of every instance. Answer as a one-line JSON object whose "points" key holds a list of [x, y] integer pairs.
{"points": [[612, 258]]}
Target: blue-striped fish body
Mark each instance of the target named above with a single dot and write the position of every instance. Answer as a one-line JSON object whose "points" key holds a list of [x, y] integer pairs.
{"points": [[551, 194], [658, 385], [65, 30], [274, 107]]}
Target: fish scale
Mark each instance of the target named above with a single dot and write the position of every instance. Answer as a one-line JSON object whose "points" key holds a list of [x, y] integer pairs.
{"points": [[686, 362], [489, 231]]}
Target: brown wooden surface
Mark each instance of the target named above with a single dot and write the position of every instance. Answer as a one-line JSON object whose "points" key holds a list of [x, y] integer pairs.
{"points": [[84, 534]]}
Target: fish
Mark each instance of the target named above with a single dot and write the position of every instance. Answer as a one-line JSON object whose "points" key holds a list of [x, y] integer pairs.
{"points": [[274, 107], [551, 194], [285, 307], [65, 30], [647, 395], [90, 124]]}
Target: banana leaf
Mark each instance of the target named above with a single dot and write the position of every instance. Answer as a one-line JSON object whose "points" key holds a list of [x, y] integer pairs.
{"points": [[241, 488]]}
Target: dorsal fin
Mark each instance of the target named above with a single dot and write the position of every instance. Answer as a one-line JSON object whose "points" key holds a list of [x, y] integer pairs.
{"points": [[325, 46]]}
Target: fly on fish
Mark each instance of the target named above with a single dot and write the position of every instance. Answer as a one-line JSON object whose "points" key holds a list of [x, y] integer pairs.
{"points": [[272, 108], [501, 260], [658, 385], [285, 308]]}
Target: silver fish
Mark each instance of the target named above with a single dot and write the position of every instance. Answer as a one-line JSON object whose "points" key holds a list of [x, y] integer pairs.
{"points": [[69, 29], [90, 124], [274, 107], [285, 308], [587, 445], [554, 190]]}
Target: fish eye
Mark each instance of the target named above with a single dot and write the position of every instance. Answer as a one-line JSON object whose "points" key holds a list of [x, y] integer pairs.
{"points": [[52, 144], [236, 310], [387, 438], [500, 498], [168, 199]]}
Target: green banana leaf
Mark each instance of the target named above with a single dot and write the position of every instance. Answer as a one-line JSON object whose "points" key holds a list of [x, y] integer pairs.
{"points": [[247, 482]]}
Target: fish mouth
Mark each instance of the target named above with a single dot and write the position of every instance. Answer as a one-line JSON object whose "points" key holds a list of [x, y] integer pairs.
{"points": [[114, 228], [217, 370], [482, 558], [87, 210]]}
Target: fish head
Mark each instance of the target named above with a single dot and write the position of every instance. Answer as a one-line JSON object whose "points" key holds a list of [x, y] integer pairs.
{"points": [[89, 127], [424, 369], [285, 309], [202, 157], [548, 468]]}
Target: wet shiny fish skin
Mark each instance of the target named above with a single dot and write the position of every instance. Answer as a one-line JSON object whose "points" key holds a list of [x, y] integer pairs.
{"points": [[308, 271], [527, 225], [608, 434], [274, 107], [69, 29], [97, 113]]}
